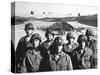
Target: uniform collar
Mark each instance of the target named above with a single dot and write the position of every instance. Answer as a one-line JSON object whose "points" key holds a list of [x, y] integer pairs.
{"points": [[79, 50]]}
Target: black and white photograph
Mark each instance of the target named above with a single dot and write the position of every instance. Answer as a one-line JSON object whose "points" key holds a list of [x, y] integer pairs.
{"points": [[48, 37]]}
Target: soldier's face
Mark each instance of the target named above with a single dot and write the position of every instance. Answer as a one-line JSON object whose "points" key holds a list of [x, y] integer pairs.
{"points": [[50, 37], [89, 37], [71, 40], [59, 42], [29, 31], [36, 43], [83, 44]]}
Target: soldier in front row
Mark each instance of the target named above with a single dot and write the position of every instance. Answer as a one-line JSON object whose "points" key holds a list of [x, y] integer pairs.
{"points": [[82, 55], [32, 58], [59, 60]]}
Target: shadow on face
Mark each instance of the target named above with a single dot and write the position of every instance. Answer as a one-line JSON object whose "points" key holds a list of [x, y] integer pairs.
{"points": [[50, 37], [82, 44], [29, 32], [36, 43]]}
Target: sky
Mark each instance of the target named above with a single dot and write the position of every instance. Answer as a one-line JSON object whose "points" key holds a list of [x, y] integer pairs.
{"points": [[24, 9]]}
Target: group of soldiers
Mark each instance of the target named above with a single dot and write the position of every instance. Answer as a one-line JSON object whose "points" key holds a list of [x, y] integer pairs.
{"points": [[33, 55]]}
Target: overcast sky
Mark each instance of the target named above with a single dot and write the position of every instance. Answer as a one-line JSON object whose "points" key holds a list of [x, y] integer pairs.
{"points": [[24, 9]]}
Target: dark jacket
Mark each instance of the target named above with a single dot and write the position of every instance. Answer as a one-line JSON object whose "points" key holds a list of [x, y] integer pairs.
{"points": [[93, 46], [84, 60], [44, 48], [73, 46], [21, 49], [70, 50], [44, 51]]}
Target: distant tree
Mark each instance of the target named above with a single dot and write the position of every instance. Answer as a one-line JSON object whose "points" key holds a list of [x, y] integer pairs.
{"points": [[32, 12], [70, 14], [43, 12], [78, 14]]}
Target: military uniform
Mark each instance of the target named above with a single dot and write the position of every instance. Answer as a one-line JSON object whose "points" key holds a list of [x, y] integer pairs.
{"points": [[59, 60], [93, 46], [31, 61], [70, 49], [21, 49], [44, 47], [91, 43], [45, 65], [62, 63], [82, 60], [23, 45]]}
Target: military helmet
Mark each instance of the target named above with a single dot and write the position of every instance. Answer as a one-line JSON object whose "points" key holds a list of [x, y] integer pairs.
{"points": [[57, 39], [89, 32], [49, 31], [29, 26], [35, 36], [70, 35], [82, 38]]}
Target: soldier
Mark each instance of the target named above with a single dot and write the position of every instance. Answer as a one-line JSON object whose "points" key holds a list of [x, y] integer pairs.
{"points": [[70, 46], [23, 45], [59, 60], [32, 57], [82, 55], [92, 44], [45, 66]]}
